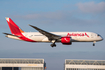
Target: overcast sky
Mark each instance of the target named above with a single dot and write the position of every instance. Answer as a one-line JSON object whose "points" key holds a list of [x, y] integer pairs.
{"points": [[53, 16]]}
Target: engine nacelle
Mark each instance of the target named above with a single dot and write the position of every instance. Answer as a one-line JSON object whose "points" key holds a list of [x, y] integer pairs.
{"points": [[66, 40]]}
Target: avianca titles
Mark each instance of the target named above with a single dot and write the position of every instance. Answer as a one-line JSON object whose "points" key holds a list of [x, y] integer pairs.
{"points": [[65, 38]]}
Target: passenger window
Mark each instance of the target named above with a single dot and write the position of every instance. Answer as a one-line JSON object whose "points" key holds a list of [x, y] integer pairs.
{"points": [[31, 36], [91, 35]]}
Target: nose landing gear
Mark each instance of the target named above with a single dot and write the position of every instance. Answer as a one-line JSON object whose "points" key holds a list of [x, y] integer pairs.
{"points": [[94, 43]]}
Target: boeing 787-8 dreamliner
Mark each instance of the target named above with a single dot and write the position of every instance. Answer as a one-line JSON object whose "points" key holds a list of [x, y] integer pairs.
{"points": [[65, 38]]}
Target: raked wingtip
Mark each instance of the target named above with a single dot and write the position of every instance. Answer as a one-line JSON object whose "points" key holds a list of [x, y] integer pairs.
{"points": [[29, 24]]}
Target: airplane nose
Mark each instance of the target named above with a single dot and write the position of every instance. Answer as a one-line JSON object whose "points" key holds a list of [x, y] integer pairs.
{"points": [[102, 39]]}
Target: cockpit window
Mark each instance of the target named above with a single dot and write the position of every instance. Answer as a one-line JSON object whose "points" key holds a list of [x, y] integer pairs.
{"points": [[98, 35]]}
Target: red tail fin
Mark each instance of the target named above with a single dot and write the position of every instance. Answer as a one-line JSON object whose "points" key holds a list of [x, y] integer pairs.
{"points": [[13, 27]]}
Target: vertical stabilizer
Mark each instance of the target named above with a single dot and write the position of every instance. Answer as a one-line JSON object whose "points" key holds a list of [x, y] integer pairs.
{"points": [[13, 27]]}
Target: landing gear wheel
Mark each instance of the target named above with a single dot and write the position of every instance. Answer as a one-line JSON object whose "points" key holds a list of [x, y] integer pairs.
{"points": [[53, 45], [93, 44]]}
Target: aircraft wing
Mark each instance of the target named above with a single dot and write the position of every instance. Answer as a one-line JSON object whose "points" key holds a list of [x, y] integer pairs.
{"points": [[47, 34]]}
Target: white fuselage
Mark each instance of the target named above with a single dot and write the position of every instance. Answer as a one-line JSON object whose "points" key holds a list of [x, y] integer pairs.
{"points": [[75, 36]]}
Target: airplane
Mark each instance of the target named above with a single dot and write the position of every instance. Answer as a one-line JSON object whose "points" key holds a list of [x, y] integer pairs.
{"points": [[65, 38]]}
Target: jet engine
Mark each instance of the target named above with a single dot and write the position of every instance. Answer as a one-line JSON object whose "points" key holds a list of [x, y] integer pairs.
{"points": [[66, 40]]}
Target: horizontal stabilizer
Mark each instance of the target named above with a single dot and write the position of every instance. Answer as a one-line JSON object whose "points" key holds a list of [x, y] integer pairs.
{"points": [[10, 34]]}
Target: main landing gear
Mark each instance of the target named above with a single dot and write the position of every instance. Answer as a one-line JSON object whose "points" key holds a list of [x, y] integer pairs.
{"points": [[94, 43], [53, 43]]}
